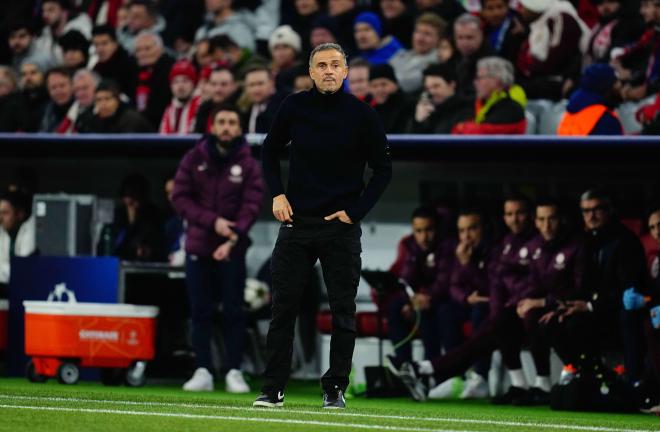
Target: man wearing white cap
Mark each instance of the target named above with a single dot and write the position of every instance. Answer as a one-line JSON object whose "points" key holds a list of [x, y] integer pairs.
{"points": [[551, 58], [284, 46]]}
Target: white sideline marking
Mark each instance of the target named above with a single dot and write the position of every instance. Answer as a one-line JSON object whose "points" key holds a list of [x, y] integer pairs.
{"points": [[229, 418], [333, 413]]}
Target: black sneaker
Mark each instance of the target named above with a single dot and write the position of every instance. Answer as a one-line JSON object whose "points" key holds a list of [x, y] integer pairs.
{"points": [[539, 397], [334, 398], [393, 364], [269, 399], [514, 396], [414, 381]]}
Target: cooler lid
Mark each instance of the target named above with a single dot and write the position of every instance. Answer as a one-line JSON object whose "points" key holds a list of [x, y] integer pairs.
{"points": [[90, 309]]}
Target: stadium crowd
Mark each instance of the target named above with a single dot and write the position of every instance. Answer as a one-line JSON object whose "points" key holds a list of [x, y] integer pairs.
{"points": [[426, 66]]}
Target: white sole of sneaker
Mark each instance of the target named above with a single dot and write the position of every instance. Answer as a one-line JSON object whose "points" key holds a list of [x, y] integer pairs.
{"points": [[260, 404]]}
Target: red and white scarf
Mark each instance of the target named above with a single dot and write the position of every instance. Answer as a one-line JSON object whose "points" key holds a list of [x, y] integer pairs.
{"points": [[179, 117]]}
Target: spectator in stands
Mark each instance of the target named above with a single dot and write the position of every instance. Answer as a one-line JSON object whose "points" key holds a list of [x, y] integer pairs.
{"points": [[60, 91], [343, 14], [439, 108], [647, 11], [428, 261], [228, 53], [398, 20], [111, 115], [590, 109], [13, 108], [175, 231], [372, 45], [75, 50], [390, 102], [649, 117], [114, 63], [82, 110], [358, 80], [59, 17], [619, 25], [33, 88], [221, 19], [499, 105], [103, 12], [152, 94], [555, 271], [446, 51], [202, 54], [504, 28], [448, 10], [224, 91], [306, 12], [550, 60], [23, 47], [302, 81], [615, 262], [409, 64], [179, 116], [263, 98], [137, 229], [641, 59], [324, 30], [284, 45], [218, 190], [471, 46], [143, 17], [17, 233]]}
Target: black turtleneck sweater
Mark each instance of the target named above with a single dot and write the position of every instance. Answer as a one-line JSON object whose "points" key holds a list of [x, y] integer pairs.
{"points": [[332, 137]]}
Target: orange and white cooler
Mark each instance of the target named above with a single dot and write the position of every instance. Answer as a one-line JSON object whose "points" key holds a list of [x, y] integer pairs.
{"points": [[4, 310], [60, 337]]}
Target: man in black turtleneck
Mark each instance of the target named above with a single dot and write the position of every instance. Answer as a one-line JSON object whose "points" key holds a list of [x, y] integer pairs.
{"points": [[332, 136], [614, 262]]}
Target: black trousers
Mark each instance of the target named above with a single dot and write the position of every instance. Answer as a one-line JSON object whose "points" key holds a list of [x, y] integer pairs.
{"points": [[299, 245]]}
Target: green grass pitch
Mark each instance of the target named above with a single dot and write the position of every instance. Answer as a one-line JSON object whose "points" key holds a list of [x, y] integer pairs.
{"points": [[164, 407]]}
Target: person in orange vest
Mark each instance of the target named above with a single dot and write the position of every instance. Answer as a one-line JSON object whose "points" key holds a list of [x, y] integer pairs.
{"points": [[589, 110]]}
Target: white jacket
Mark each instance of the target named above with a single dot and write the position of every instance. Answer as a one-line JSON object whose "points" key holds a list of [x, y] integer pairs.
{"points": [[25, 245]]}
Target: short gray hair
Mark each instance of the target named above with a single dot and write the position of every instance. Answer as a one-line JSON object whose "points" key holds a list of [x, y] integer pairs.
{"points": [[468, 18], [497, 68], [156, 37], [327, 47], [96, 78]]}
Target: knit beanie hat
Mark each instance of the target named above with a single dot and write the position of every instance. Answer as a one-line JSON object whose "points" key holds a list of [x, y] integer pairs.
{"points": [[372, 20], [598, 78], [183, 67], [285, 35]]}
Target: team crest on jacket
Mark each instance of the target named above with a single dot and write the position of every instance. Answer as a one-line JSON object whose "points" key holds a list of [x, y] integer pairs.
{"points": [[236, 174], [537, 254], [507, 249], [430, 260], [655, 268], [560, 261], [524, 253]]}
